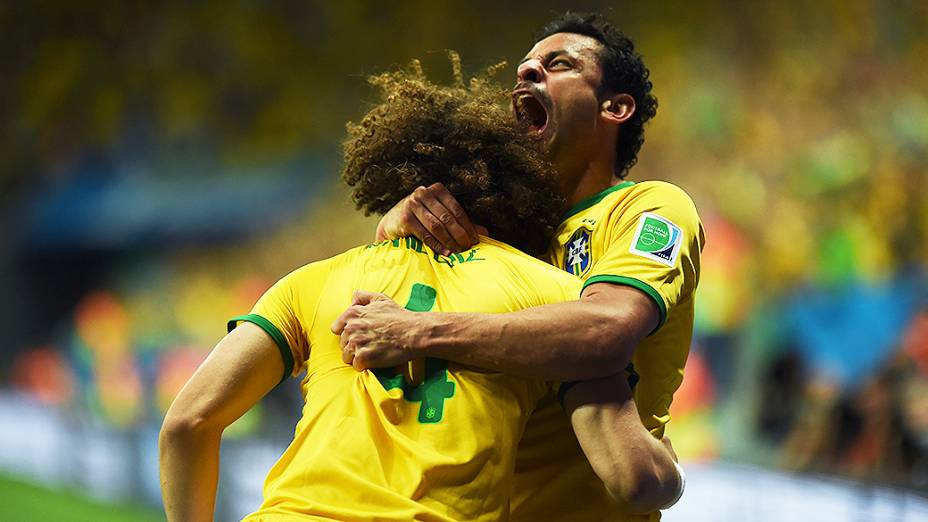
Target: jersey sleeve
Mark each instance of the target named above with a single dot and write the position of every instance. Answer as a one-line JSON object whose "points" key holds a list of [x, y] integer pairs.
{"points": [[655, 241], [286, 312]]}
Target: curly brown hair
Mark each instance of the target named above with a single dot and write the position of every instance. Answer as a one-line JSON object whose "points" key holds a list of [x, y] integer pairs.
{"points": [[463, 136]]}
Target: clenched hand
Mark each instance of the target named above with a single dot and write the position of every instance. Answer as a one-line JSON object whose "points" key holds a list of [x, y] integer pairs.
{"points": [[377, 333]]}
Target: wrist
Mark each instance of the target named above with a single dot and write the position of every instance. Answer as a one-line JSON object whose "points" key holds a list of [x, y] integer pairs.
{"points": [[381, 233], [429, 334]]}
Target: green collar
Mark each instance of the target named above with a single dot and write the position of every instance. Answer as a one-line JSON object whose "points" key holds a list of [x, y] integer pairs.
{"points": [[596, 198]]}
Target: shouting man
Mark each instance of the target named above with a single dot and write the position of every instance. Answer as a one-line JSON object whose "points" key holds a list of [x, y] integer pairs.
{"points": [[433, 440], [584, 93]]}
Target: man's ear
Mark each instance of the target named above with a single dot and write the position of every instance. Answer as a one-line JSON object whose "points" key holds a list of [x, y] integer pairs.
{"points": [[618, 108]]}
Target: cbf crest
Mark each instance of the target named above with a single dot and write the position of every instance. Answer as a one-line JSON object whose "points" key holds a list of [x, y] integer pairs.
{"points": [[578, 254]]}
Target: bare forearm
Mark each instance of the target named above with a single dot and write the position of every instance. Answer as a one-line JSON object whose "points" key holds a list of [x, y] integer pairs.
{"points": [[189, 463], [577, 340], [637, 469], [565, 341], [238, 372]]}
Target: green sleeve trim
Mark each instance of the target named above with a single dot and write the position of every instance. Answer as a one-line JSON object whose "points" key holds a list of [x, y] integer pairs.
{"points": [[282, 345], [634, 283], [596, 198]]}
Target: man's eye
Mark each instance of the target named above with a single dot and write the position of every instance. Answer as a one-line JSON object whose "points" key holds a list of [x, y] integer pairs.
{"points": [[559, 63]]}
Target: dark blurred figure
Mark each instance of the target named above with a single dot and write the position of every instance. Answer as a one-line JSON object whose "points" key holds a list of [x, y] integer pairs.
{"points": [[886, 449], [781, 392], [869, 434]]}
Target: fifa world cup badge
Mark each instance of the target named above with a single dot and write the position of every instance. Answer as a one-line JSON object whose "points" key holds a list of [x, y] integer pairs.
{"points": [[578, 255], [657, 238]]}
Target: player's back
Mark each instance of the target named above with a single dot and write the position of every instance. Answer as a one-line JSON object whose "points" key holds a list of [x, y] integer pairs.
{"points": [[373, 444]]}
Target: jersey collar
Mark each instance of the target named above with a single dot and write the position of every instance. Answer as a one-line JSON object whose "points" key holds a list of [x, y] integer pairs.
{"points": [[596, 198]]}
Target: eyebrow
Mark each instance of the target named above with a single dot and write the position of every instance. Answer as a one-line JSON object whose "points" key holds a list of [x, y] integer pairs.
{"points": [[548, 56]]}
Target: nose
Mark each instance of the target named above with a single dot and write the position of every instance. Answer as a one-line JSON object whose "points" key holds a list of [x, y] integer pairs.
{"points": [[530, 71]]}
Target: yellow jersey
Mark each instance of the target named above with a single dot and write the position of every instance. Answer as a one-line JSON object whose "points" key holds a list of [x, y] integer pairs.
{"points": [[373, 445], [648, 236]]}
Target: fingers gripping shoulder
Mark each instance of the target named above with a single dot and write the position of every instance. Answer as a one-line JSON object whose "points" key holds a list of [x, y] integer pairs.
{"points": [[433, 215]]}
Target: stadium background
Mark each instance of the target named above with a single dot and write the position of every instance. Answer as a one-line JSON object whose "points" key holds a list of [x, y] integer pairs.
{"points": [[160, 166]]}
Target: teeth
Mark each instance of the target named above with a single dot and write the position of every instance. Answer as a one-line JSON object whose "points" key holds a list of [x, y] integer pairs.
{"points": [[520, 105]]}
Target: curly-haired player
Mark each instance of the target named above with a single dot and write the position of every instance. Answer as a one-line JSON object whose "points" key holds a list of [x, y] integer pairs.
{"points": [[460, 136], [584, 93], [432, 440]]}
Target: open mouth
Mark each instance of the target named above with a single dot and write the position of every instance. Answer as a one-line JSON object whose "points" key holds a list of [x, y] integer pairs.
{"points": [[530, 112]]}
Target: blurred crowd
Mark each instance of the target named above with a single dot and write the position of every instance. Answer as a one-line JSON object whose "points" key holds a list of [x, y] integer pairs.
{"points": [[800, 132], [876, 431]]}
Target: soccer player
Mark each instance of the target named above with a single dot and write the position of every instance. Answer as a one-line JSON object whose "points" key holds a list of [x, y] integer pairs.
{"points": [[584, 92], [435, 441]]}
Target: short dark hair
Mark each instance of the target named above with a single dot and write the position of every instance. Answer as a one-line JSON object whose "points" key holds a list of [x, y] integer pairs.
{"points": [[464, 137], [623, 72]]}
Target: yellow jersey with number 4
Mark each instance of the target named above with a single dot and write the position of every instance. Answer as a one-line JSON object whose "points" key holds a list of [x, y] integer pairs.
{"points": [[372, 445], [647, 236]]}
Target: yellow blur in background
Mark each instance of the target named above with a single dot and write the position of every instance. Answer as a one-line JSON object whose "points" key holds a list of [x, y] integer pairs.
{"points": [[162, 165]]}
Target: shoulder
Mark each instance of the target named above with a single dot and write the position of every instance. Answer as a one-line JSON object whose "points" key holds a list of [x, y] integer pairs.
{"points": [[658, 197], [532, 271], [510, 254], [320, 268], [662, 193]]}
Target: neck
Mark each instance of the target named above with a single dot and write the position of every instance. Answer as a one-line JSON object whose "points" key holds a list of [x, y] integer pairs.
{"points": [[593, 178]]}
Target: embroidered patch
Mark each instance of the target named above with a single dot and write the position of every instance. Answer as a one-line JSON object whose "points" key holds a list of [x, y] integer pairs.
{"points": [[578, 254], [657, 238]]}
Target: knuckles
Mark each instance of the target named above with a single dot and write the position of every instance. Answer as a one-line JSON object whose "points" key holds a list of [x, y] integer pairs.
{"points": [[419, 194], [355, 312], [437, 188], [414, 202]]}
